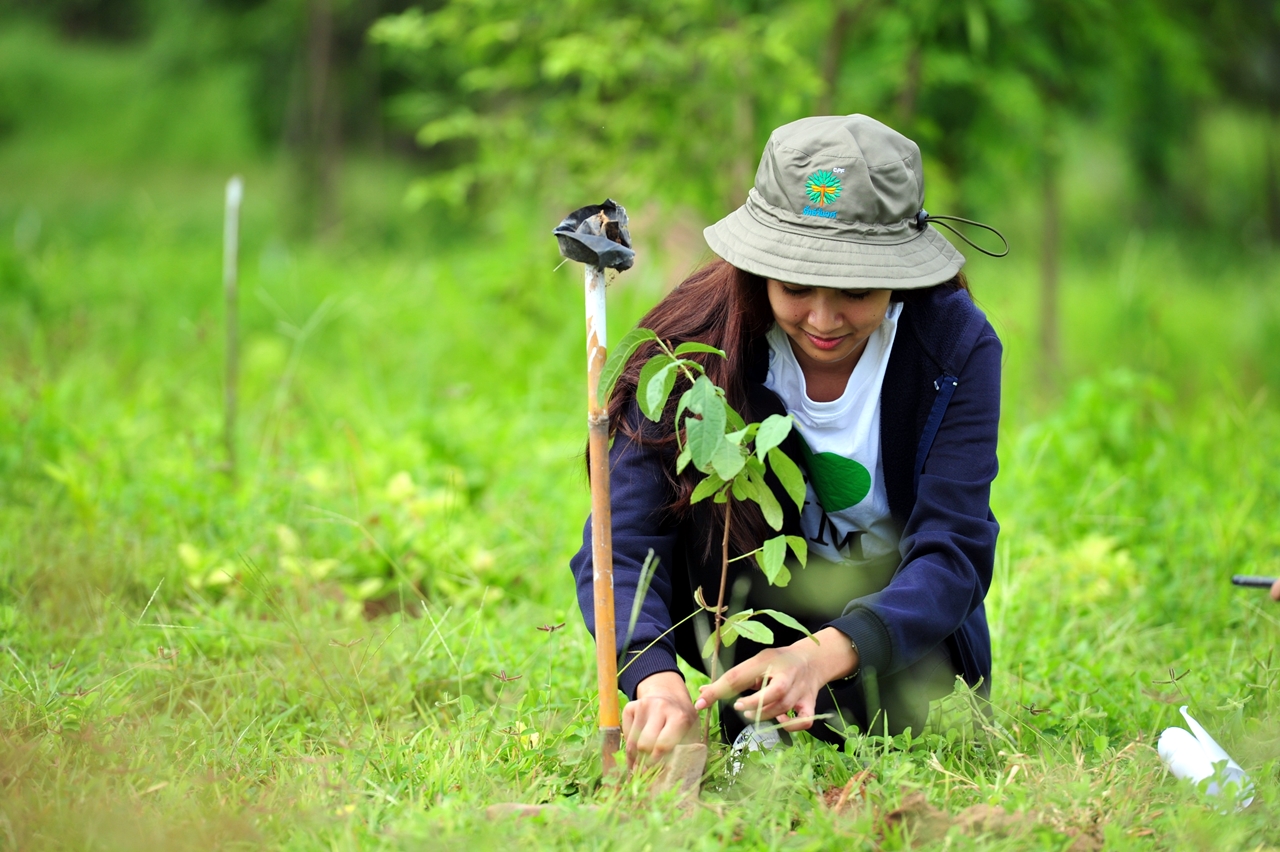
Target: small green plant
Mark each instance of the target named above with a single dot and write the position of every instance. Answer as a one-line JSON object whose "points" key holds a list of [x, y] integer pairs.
{"points": [[733, 456]]}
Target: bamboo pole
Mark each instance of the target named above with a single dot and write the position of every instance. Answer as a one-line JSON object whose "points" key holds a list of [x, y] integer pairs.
{"points": [[230, 292], [601, 525]]}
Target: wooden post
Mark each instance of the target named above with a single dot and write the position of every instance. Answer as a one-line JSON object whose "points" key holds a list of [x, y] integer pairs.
{"points": [[230, 291], [601, 525]]}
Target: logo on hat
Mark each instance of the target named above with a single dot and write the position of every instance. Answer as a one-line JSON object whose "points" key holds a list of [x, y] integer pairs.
{"points": [[822, 187]]}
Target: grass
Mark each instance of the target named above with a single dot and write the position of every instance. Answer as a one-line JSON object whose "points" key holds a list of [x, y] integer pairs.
{"points": [[342, 648]]}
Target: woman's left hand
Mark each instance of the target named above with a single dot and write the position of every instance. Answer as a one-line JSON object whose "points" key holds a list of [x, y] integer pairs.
{"points": [[787, 679]]}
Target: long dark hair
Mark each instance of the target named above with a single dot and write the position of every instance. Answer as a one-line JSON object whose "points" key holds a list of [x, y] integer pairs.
{"points": [[725, 307]]}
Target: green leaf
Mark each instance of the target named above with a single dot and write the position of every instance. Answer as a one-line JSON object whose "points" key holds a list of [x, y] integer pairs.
{"points": [[784, 576], [705, 436], [789, 475], [783, 618], [755, 631], [744, 487], [762, 495], [704, 489], [728, 460], [773, 559], [682, 460], [681, 407], [701, 443], [773, 430], [655, 386], [800, 548], [617, 361], [702, 396], [694, 346], [728, 635], [739, 436], [692, 366], [770, 506]]}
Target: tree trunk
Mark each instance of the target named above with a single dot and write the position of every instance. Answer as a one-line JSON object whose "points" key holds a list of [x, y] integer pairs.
{"points": [[910, 87], [320, 144], [370, 65], [742, 163], [1050, 246], [1272, 155], [847, 17]]}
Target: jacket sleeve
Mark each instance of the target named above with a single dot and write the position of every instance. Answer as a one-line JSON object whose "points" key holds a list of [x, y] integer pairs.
{"points": [[639, 496], [948, 544]]}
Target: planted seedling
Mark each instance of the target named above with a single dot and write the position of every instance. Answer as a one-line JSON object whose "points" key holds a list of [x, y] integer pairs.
{"points": [[733, 457]]}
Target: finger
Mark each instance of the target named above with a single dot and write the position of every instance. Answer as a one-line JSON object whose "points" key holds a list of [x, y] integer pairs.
{"points": [[632, 725], [768, 702], [738, 679], [803, 720], [648, 738], [668, 738]]}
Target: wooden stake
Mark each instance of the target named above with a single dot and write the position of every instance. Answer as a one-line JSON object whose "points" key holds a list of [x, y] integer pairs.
{"points": [[601, 525], [230, 291]]}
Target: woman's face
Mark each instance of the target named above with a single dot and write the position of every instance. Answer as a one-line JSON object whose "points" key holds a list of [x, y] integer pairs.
{"points": [[827, 326]]}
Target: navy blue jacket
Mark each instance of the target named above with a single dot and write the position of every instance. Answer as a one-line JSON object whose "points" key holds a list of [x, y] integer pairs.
{"points": [[939, 414]]}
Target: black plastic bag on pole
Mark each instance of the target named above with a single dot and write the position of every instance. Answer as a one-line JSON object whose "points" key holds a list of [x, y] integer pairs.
{"points": [[597, 235]]}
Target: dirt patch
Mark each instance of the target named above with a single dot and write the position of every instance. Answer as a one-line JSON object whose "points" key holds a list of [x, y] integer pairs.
{"points": [[925, 823]]}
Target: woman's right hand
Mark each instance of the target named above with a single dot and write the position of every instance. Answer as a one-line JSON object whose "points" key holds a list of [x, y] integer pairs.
{"points": [[660, 718]]}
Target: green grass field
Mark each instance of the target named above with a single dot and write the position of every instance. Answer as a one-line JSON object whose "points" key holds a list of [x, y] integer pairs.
{"points": [[340, 649]]}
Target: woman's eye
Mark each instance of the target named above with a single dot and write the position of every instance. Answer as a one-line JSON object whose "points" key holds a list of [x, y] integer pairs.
{"points": [[796, 291], [857, 295]]}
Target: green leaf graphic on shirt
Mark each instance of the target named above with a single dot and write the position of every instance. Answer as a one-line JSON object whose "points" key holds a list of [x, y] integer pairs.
{"points": [[839, 482]]}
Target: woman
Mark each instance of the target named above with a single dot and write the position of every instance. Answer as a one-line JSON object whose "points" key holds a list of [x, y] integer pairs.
{"points": [[834, 301]]}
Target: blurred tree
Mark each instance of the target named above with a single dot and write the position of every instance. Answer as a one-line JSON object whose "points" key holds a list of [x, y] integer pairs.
{"points": [[1242, 40], [946, 97], [669, 99], [1062, 49], [1158, 84], [317, 85]]}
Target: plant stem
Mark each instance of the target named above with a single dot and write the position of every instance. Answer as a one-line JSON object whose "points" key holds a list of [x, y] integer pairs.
{"points": [[724, 576]]}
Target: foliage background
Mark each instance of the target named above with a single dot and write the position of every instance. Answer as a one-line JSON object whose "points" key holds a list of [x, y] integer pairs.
{"points": [[340, 647]]}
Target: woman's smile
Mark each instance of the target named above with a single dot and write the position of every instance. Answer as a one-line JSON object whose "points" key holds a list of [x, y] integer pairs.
{"points": [[825, 343]]}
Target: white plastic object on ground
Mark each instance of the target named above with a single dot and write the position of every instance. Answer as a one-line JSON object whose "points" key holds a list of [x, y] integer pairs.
{"points": [[752, 738], [1195, 756]]}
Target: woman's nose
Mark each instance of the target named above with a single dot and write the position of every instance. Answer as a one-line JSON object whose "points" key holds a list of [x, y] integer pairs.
{"points": [[824, 314]]}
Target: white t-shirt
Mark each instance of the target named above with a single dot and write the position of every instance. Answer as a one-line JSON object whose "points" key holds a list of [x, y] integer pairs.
{"points": [[853, 540]]}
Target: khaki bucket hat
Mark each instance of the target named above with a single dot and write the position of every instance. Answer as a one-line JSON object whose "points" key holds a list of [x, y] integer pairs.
{"points": [[838, 202]]}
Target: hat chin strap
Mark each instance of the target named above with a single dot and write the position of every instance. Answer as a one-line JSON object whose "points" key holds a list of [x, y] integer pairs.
{"points": [[923, 218]]}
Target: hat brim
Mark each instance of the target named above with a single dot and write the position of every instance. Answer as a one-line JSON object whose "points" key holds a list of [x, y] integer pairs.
{"points": [[819, 261]]}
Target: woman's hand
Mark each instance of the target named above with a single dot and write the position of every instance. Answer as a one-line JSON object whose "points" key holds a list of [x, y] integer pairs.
{"points": [[787, 679], [1275, 591], [659, 719]]}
